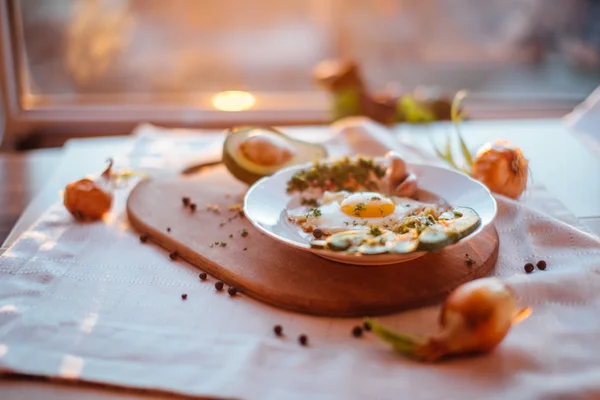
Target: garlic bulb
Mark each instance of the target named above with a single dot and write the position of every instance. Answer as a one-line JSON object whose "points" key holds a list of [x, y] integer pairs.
{"points": [[398, 181], [502, 167], [475, 318]]}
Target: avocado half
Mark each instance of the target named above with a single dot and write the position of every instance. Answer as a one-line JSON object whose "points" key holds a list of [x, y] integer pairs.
{"points": [[275, 151]]}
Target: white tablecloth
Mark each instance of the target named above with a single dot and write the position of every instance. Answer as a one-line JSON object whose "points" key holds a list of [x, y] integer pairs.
{"points": [[89, 302]]}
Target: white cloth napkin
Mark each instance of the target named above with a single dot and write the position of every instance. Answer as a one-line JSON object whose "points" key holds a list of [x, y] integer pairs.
{"points": [[89, 302], [584, 121]]}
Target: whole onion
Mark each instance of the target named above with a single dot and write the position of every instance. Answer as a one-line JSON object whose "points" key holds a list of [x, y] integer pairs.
{"points": [[501, 167], [475, 318]]}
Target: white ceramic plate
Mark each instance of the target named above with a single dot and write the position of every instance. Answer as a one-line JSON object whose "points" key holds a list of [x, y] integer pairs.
{"points": [[266, 202]]}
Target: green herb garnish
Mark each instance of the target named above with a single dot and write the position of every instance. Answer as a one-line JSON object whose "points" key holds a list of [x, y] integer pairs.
{"points": [[358, 208], [315, 212], [375, 231], [344, 174]]}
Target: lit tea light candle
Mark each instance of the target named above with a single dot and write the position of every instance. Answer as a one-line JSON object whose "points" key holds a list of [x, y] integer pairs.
{"points": [[233, 100]]}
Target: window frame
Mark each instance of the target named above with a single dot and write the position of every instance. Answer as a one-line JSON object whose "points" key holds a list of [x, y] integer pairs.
{"points": [[23, 117]]}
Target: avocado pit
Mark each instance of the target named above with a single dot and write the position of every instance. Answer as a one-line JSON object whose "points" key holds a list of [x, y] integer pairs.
{"points": [[266, 150]]}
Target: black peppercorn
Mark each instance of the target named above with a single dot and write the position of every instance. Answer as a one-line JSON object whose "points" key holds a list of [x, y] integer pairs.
{"points": [[203, 276], [193, 207], [144, 238], [184, 296], [278, 330], [367, 326], [303, 339], [357, 331], [232, 291], [529, 268], [186, 201], [219, 285], [173, 255], [317, 233], [541, 264], [168, 229]]}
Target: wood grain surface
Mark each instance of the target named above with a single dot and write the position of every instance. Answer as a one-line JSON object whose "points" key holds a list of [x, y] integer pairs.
{"points": [[286, 277]]}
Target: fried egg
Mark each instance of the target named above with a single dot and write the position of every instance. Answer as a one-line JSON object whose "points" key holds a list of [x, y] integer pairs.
{"points": [[341, 211]]}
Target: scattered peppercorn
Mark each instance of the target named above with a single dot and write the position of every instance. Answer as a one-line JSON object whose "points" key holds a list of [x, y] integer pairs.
{"points": [[244, 233], [219, 285], [232, 291], [317, 233], [278, 330], [173, 255], [230, 235], [168, 229], [528, 267], [245, 248], [185, 200], [357, 331], [202, 276], [184, 296], [144, 238], [193, 207], [367, 326], [469, 260], [223, 244], [303, 339], [541, 264]]}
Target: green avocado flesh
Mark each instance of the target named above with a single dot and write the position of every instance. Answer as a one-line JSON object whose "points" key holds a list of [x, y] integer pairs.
{"points": [[250, 153], [465, 222]]}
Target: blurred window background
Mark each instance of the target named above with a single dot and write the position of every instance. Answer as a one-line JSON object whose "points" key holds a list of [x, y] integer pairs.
{"points": [[122, 61]]}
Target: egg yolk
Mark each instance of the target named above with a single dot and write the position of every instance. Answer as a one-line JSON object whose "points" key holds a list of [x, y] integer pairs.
{"points": [[367, 205]]}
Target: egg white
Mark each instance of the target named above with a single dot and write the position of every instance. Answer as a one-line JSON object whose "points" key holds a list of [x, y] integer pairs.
{"points": [[332, 219]]}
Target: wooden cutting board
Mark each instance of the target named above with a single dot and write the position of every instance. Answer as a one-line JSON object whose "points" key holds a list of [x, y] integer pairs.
{"points": [[285, 277]]}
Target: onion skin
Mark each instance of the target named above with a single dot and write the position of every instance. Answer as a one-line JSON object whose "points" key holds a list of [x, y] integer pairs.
{"points": [[475, 319], [89, 200], [501, 167], [476, 316]]}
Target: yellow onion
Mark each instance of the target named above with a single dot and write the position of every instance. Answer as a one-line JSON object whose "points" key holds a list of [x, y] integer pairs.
{"points": [[475, 318], [501, 167], [89, 199]]}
